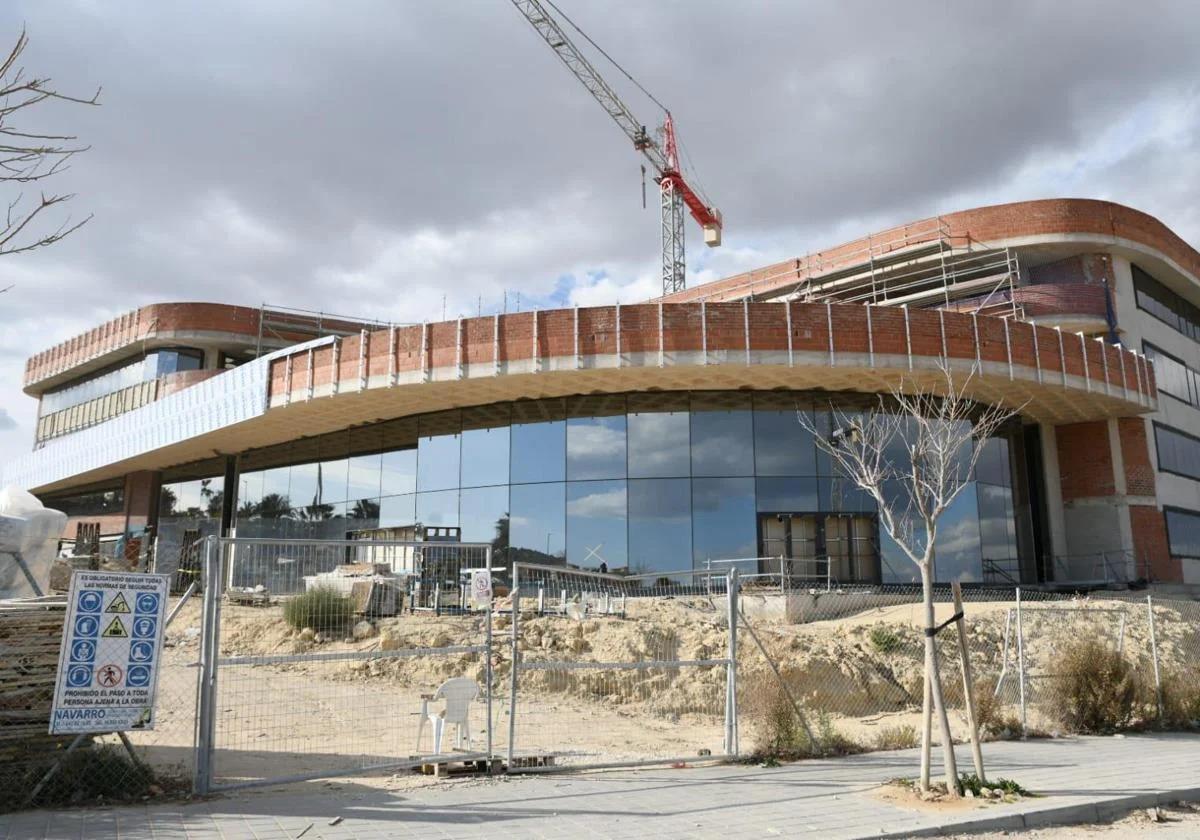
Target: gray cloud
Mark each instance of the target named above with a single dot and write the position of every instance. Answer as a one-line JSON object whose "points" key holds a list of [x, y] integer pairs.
{"points": [[372, 158]]}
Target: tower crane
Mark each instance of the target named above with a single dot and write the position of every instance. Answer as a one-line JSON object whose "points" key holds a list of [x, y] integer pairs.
{"points": [[674, 190]]}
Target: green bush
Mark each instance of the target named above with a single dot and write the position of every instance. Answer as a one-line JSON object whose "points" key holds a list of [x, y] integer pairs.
{"points": [[884, 639], [1095, 689], [971, 782], [321, 609]]}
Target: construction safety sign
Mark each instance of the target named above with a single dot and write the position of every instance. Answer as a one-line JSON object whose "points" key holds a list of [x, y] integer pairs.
{"points": [[108, 664]]}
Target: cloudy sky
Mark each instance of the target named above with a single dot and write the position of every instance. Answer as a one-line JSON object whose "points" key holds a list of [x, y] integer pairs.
{"points": [[369, 158]]}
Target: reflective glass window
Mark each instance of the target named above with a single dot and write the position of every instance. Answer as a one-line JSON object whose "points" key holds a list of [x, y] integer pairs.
{"points": [[1183, 532], [992, 466], [363, 477], [483, 515], [438, 451], [957, 549], [722, 435], [896, 567], [485, 446], [438, 507], [782, 446], [596, 524], [724, 525], [839, 494], [1178, 452], [363, 514], [660, 524], [792, 494], [659, 436], [275, 485], [537, 522], [397, 511], [596, 437], [539, 442], [995, 516], [398, 472], [308, 484]]}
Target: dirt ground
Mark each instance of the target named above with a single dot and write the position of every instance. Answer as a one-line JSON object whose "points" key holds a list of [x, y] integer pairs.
{"points": [[859, 675], [1180, 822]]}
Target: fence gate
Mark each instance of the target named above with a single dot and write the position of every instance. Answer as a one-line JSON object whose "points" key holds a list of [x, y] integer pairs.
{"points": [[619, 670], [339, 689]]}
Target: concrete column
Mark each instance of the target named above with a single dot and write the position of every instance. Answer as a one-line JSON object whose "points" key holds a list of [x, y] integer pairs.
{"points": [[1052, 484], [141, 499]]}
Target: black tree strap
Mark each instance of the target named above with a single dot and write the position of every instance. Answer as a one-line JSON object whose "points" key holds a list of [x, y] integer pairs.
{"points": [[933, 631]]}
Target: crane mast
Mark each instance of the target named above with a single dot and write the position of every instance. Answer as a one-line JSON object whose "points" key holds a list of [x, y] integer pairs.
{"points": [[675, 192]]}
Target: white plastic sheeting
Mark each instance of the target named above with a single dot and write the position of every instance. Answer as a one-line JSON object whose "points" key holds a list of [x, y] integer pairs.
{"points": [[29, 535]]}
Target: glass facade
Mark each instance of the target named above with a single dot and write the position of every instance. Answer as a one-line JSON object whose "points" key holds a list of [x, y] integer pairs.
{"points": [[644, 482], [154, 364]]}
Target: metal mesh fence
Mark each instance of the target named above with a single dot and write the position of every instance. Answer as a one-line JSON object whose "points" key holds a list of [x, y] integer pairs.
{"points": [[619, 669], [853, 659], [357, 672], [381, 660]]}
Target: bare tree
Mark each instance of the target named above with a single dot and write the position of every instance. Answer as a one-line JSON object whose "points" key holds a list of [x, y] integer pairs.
{"points": [[31, 158], [913, 455]]}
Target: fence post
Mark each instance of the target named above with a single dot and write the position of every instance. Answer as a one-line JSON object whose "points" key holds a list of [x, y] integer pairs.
{"points": [[1021, 662], [1154, 654], [512, 690], [206, 685], [731, 711], [488, 652]]}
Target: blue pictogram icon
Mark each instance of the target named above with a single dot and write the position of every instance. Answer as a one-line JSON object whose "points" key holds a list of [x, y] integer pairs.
{"points": [[147, 602], [141, 651], [79, 676], [86, 625], [144, 627], [138, 676], [89, 601], [83, 650]]}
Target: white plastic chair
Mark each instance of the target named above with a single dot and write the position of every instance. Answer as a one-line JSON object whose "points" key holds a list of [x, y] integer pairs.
{"points": [[458, 693]]}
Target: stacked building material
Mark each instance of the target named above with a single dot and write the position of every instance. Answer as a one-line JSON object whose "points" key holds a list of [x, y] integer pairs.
{"points": [[30, 637]]}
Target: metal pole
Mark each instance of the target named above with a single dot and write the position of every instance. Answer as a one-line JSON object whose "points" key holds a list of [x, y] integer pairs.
{"points": [[512, 689], [488, 653], [1154, 654], [731, 592], [207, 679], [1021, 661]]}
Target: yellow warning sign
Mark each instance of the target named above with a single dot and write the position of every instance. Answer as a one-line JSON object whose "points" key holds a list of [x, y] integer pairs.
{"points": [[115, 629], [119, 604]]}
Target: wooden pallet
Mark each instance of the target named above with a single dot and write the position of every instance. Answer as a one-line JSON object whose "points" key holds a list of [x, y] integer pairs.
{"points": [[462, 768], [527, 761]]}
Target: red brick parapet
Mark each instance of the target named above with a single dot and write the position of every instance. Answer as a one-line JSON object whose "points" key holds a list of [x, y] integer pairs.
{"points": [[845, 340], [164, 320]]}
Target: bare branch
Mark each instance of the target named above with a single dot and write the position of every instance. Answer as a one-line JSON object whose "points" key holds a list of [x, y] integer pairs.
{"points": [[27, 157]]}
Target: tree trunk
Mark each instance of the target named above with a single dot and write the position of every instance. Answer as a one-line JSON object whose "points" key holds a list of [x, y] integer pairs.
{"points": [[935, 682]]}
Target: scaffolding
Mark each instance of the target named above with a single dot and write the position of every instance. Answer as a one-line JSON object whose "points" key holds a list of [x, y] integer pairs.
{"points": [[922, 265]]}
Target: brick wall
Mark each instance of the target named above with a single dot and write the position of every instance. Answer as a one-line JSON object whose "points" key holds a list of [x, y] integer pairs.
{"points": [[1085, 460], [1135, 452], [1150, 544], [988, 225]]}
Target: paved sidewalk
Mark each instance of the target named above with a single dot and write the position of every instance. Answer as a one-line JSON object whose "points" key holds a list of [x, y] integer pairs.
{"points": [[1079, 779]]}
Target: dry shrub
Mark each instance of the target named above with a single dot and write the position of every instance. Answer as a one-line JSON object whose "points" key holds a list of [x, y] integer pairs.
{"points": [[897, 738], [1181, 699], [1095, 688], [778, 731], [995, 722]]}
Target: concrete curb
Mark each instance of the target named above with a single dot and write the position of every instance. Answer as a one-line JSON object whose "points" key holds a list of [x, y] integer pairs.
{"points": [[1092, 811]]}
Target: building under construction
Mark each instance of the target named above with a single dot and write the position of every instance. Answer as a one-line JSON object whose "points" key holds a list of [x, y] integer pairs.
{"points": [[644, 436]]}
